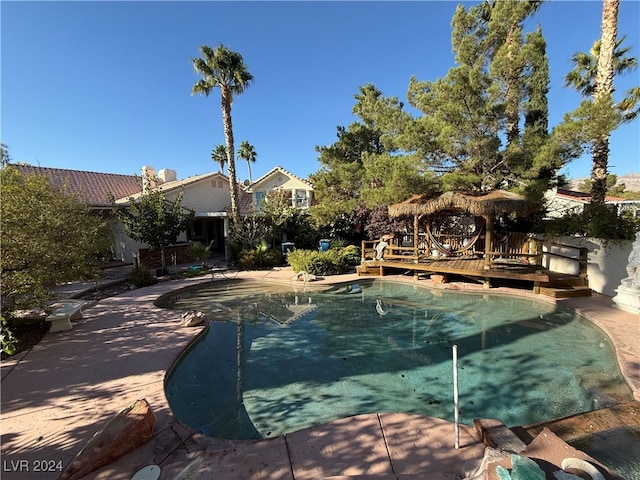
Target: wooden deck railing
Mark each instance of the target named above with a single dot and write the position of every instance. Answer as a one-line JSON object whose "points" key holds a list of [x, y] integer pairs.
{"points": [[515, 247], [369, 252]]}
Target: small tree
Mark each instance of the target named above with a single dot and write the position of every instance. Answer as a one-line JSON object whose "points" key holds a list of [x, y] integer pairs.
{"points": [[277, 208], [153, 220], [48, 237]]}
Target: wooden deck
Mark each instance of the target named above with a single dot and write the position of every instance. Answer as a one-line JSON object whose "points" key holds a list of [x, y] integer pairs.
{"points": [[542, 280], [466, 267]]}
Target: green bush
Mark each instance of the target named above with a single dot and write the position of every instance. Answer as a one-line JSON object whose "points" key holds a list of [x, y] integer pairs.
{"points": [[300, 259], [259, 259], [600, 221], [351, 255], [332, 262], [327, 263], [7, 340], [141, 277]]}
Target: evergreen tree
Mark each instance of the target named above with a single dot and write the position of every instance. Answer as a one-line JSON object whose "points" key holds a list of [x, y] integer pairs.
{"points": [[472, 117], [369, 163]]}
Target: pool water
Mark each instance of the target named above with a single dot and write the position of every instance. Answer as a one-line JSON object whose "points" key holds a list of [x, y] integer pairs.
{"points": [[276, 360]]}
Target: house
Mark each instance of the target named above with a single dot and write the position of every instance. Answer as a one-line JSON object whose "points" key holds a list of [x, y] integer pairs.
{"points": [[561, 202], [206, 195], [299, 190]]}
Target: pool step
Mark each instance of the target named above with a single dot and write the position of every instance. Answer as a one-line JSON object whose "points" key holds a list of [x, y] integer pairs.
{"points": [[566, 291], [496, 434], [621, 417]]}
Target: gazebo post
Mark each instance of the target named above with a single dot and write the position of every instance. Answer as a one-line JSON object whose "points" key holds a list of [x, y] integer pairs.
{"points": [[416, 237], [488, 241]]}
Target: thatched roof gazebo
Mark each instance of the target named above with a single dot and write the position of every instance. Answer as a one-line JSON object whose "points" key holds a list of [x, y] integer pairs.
{"points": [[487, 206], [491, 204]]}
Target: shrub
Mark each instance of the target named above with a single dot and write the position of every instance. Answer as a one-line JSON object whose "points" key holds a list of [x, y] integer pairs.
{"points": [[7, 340], [332, 262], [300, 259], [259, 259], [141, 277], [200, 252], [327, 263], [601, 221], [351, 255]]}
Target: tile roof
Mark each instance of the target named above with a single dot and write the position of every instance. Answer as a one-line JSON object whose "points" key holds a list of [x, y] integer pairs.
{"points": [[177, 184], [92, 187], [281, 170], [245, 202], [583, 197]]}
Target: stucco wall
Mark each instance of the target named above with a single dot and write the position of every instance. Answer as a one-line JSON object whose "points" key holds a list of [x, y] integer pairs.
{"points": [[607, 261], [208, 195]]}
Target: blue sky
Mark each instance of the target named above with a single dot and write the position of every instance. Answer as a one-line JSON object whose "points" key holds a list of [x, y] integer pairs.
{"points": [[105, 86]]}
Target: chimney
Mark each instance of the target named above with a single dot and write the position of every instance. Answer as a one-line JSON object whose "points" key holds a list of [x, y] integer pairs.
{"points": [[165, 175], [148, 178]]}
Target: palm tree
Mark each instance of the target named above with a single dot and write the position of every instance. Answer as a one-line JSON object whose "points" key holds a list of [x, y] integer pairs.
{"points": [[248, 153], [585, 66], [225, 69], [593, 75], [219, 154]]}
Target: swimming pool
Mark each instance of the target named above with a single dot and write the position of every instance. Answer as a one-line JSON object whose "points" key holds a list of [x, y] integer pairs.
{"points": [[276, 359]]}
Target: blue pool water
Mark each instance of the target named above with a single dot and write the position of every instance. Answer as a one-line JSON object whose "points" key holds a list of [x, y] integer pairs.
{"points": [[276, 360]]}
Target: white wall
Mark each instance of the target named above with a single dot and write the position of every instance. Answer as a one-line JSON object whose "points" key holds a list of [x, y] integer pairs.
{"points": [[124, 247], [607, 261], [207, 195]]}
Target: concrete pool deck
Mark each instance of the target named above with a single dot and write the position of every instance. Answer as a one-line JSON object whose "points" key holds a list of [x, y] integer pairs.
{"points": [[57, 395]]}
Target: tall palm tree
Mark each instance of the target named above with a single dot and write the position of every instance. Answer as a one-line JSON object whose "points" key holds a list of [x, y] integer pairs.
{"points": [[225, 69], [219, 154], [593, 75], [248, 153], [585, 66], [603, 89]]}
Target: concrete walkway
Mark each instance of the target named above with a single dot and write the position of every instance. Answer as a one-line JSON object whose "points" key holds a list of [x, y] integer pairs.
{"points": [[66, 388]]}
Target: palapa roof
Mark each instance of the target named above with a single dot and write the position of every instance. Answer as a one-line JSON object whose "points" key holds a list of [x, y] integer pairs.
{"points": [[492, 203]]}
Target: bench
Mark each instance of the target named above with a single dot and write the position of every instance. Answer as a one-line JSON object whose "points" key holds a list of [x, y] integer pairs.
{"points": [[62, 315]]}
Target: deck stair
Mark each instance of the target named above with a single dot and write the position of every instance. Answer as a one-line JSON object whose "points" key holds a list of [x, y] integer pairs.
{"points": [[566, 286], [367, 269]]}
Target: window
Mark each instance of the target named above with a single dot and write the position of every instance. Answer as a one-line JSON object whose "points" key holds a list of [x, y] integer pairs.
{"points": [[302, 200]]}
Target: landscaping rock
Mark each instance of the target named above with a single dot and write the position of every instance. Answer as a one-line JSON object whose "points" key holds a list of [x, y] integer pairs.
{"points": [[304, 277], [192, 318], [130, 428]]}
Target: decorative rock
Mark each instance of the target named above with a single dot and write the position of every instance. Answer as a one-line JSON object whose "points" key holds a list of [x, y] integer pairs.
{"points": [[192, 318], [128, 430], [304, 277], [438, 279]]}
